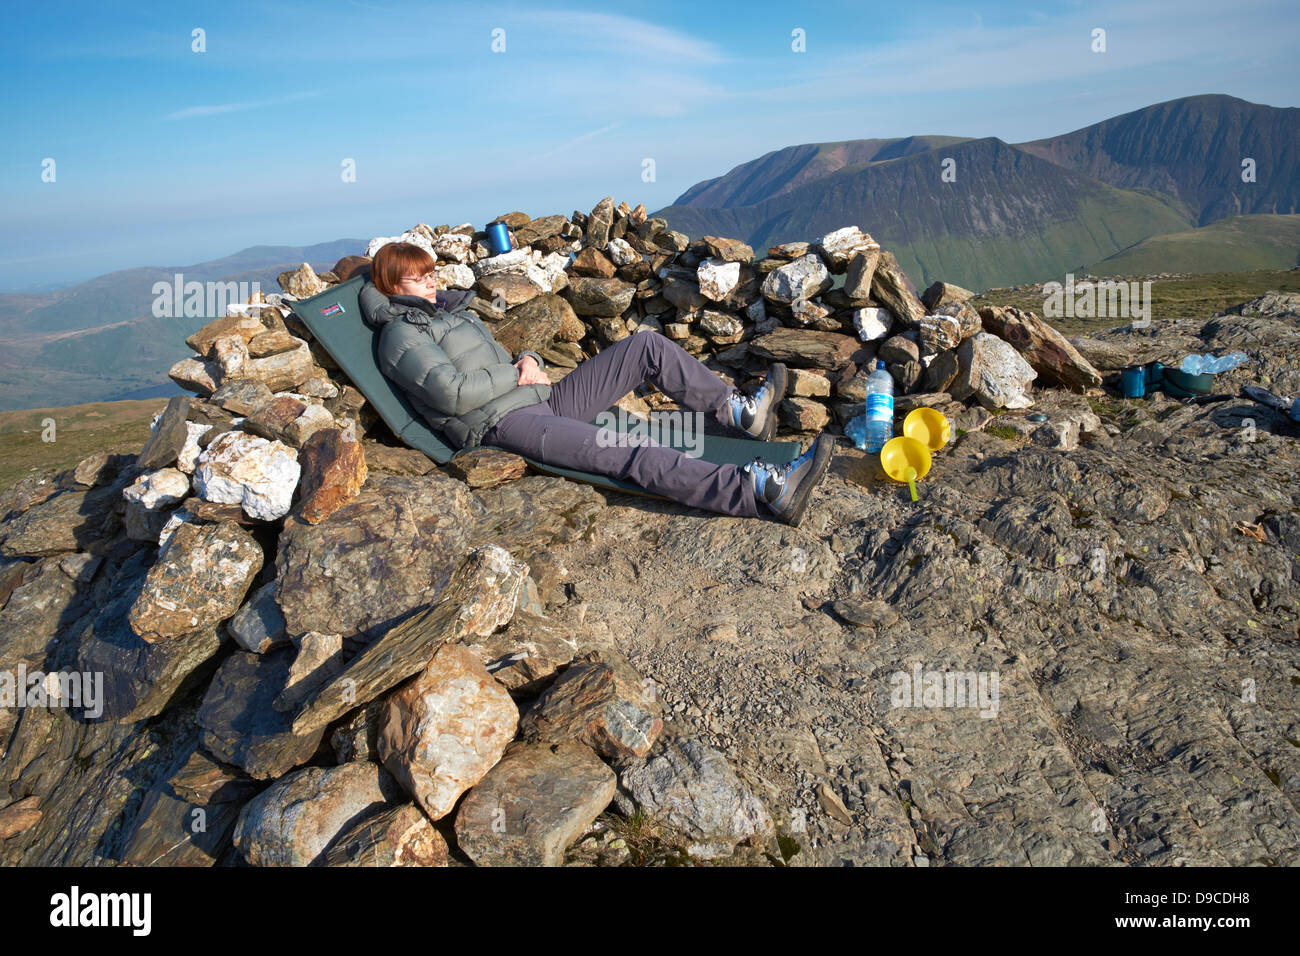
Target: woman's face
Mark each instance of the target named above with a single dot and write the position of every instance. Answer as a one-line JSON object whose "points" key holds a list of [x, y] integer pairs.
{"points": [[425, 285]]}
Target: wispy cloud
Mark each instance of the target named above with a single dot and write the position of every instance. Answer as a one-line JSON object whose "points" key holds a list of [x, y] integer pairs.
{"points": [[190, 112], [609, 31], [575, 141]]}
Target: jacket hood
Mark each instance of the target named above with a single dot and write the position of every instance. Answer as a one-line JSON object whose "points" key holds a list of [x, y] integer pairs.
{"points": [[377, 309]]}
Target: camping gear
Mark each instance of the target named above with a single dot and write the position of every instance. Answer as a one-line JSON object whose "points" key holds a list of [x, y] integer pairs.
{"points": [[1180, 384], [498, 238], [334, 318], [1212, 365], [1133, 381], [906, 460], [928, 426]]}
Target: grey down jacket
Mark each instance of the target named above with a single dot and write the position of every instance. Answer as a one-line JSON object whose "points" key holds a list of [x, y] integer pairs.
{"points": [[457, 376]]}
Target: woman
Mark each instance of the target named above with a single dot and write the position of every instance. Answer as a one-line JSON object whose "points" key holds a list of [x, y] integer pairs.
{"points": [[465, 385]]}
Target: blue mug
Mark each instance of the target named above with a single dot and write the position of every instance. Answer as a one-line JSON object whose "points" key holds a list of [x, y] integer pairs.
{"points": [[498, 238], [1133, 382]]}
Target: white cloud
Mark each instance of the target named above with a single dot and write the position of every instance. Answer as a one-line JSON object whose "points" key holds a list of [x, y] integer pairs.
{"points": [[612, 33], [190, 112]]}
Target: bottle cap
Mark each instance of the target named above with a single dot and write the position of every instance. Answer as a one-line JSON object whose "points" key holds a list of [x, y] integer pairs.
{"points": [[880, 363]]}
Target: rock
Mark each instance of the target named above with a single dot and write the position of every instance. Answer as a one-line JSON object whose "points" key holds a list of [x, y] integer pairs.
{"points": [[96, 469], [280, 371], [293, 822], [400, 836], [247, 470], [800, 280], [349, 266], [968, 320], [242, 397], [1109, 356], [258, 626], [242, 326], [721, 328], [599, 297], [993, 372], [167, 438], [272, 419], [944, 293], [319, 659], [230, 352], [384, 553], [414, 236], [527, 654], [691, 787], [302, 282], [941, 372], [840, 247], [871, 324], [539, 229], [803, 414], [239, 724], [199, 580], [892, 289], [805, 348], [195, 375], [717, 278], [939, 333], [149, 502], [19, 816], [600, 701], [1044, 348], [728, 250], [861, 612], [808, 383], [591, 262], [445, 729], [899, 349], [71, 520], [599, 222], [140, 678], [533, 804], [507, 290], [484, 466], [480, 596], [272, 342], [860, 273], [536, 324], [333, 471], [396, 461], [188, 459]]}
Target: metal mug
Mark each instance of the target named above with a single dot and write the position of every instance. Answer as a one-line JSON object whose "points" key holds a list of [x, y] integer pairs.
{"points": [[498, 238], [1132, 382]]}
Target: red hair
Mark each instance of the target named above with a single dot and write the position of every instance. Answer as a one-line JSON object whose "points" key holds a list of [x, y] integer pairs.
{"points": [[395, 261]]}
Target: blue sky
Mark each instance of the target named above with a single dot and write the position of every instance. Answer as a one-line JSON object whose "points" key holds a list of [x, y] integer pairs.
{"points": [[165, 156]]}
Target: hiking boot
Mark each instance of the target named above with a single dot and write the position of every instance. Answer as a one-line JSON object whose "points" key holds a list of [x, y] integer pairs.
{"points": [[785, 489], [755, 415]]}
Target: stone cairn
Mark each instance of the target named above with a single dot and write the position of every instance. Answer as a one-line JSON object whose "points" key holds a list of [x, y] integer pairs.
{"points": [[363, 637]]}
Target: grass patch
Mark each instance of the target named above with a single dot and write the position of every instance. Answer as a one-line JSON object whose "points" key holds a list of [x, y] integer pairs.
{"points": [[79, 430], [1005, 432], [1194, 296]]}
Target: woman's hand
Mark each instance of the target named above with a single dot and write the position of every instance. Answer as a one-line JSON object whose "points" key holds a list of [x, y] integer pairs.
{"points": [[530, 373]]}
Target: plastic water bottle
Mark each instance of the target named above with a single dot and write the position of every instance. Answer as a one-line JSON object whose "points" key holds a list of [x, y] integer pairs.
{"points": [[880, 408]]}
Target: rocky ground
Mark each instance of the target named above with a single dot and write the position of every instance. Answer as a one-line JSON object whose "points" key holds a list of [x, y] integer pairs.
{"points": [[474, 665]]}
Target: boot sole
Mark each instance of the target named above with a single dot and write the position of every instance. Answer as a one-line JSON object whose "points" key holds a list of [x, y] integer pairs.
{"points": [[779, 381], [793, 515]]}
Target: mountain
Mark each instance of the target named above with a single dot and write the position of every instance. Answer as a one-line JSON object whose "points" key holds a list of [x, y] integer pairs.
{"points": [[1009, 217], [1236, 244], [783, 170], [1016, 212], [1192, 149], [98, 340]]}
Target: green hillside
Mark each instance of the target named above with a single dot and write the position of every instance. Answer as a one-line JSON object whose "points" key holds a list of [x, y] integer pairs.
{"points": [[1009, 217], [1238, 244]]}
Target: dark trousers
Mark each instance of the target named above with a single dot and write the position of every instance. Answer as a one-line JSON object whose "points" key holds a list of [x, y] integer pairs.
{"points": [[560, 432]]}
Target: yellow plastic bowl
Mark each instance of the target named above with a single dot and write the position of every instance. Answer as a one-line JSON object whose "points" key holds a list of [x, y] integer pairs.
{"points": [[929, 427], [902, 453]]}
